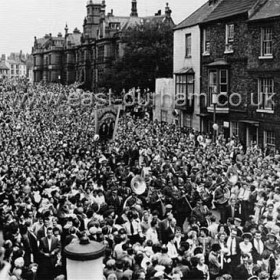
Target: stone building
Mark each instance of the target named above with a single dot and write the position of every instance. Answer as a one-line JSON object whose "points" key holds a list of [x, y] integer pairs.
{"points": [[84, 56], [4, 67], [242, 65], [17, 64], [187, 60]]}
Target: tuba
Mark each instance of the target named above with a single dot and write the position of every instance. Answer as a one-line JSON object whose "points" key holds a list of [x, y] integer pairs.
{"points": [[138, 185]]}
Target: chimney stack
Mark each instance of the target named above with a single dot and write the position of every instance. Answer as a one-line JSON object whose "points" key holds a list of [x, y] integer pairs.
{"points": [[134, 12], [158, 13], [167, 11]]}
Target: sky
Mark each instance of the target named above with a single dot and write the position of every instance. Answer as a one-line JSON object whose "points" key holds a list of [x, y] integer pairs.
{"points": [[21, 20]]}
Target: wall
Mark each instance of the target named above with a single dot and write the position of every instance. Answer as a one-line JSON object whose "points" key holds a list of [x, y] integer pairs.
{"points": [[238, 76], [180, 61], [164, 100]]}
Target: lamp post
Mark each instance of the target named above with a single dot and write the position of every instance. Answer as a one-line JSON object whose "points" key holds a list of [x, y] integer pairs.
{"points": [[59, 81], [214, 102]]}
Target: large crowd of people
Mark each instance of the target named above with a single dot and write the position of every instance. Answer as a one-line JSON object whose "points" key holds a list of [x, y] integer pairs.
{"points": [[167, 202]]}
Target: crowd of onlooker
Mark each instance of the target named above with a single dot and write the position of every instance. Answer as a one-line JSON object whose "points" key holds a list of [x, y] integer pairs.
{"points": [[207, 210]]}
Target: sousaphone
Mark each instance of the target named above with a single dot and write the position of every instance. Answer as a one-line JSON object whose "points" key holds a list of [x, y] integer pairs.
{"points": [[138, 185]]}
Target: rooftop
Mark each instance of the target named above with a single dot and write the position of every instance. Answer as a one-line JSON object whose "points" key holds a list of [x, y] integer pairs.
{"points": [[229, 8], [3, 66], [270, 9], [197, 17]]}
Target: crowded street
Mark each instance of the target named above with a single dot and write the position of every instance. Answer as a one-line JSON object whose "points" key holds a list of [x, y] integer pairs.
{"points": [[166, 202]]}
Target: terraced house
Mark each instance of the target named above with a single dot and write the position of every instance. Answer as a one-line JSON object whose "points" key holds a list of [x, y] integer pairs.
{"points": [[240, 62]]}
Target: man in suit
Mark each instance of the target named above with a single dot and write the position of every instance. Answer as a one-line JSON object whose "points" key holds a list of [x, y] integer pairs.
{"points": [[234, 249], [232, 210], [258, 247], [245, 270], [42, 232], [171, 230], [49, 249]]}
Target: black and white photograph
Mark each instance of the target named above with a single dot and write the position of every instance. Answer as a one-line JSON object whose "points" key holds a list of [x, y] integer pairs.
{"points": [[140, 140]]}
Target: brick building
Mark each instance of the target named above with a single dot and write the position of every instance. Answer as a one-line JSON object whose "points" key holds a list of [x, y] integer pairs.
{"points": [[240, 60], [84, 56]]}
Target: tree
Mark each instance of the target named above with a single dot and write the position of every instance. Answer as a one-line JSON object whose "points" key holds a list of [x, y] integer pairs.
{"points": [[148, 54]]}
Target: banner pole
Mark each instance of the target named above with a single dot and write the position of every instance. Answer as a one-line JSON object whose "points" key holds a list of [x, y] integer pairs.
{"points": [[116, 122]]}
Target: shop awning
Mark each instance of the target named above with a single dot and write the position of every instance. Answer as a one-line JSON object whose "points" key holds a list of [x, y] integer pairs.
{"points": [[185, 70], [250, 122]]}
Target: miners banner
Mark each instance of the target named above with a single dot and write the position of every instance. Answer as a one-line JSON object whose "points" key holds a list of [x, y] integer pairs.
{"points": [[106, 121]]}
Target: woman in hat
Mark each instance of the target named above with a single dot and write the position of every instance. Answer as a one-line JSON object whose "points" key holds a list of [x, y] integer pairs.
{"points": [[246, 246], [271, 243]]}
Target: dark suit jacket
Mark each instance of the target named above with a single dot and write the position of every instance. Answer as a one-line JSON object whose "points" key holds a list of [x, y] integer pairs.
{"points": [[241, 273], [163, 226], [256, 256], [41, 233], [47, 263], [54, 250], [229, 211], [33, 243], [168, 232], [195, 274], [238, 240]]}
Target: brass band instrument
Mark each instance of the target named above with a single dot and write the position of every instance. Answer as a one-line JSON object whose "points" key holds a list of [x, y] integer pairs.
{"points": [[138, 187], [224, 199]]}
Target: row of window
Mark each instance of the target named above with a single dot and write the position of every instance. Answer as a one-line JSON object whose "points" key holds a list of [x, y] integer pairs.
{"points": [[268, 136], [219, 83], [85, 55], [265, 48]]}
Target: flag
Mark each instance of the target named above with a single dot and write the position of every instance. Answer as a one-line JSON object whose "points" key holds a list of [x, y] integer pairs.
{"points": [[106, 121]]}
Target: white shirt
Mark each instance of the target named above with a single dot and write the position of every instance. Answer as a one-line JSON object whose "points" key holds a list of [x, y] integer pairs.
{"points": [[136, 227], [259, 246], [50, 244], [152, 234], [231, 244], [172, 251], [213, 229]]}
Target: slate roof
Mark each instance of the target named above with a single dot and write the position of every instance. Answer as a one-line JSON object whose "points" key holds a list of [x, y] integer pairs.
{"points": [[3, 66], [126, 22], [15, 61], [74, 39], [229, 8], [196, 17], [269, 10], [159, 19]]}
